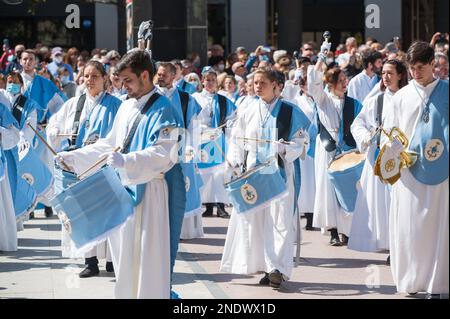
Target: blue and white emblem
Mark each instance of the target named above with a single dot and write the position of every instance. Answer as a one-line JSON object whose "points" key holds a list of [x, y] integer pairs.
{"points": [[433, 150], [249, 194]]}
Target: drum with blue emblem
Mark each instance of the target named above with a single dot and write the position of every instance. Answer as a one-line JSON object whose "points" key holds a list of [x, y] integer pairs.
{"points": [[344, 173], [212, 150], [92, 208], [257, 188], [34, 171], [25, 199]]}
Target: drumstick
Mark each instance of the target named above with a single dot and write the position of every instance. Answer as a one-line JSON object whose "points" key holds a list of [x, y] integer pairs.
{"points": [[261, 140], [67, 135], [65, 166], [97, 163]]}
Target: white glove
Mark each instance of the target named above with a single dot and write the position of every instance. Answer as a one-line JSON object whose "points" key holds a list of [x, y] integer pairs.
{"points": [[23, 144], [52, 133], [145, 30], [281, 146], [396, 147], [230, 123], [65, 157], [325, 48], [116, 160]]}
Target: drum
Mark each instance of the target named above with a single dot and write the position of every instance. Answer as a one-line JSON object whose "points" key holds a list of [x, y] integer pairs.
{"points": [[25, 199], [193, 183], [257, 188], [93, 207], [63, 179], [344, 173], [211, 150], [34, 171]]}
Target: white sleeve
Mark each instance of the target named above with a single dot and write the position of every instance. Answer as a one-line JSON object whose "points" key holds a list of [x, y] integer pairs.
{"points": [[298, 146], [27, 133], [362, 126], [56, 125], [9, 137], [142, 166], [315, 87]]}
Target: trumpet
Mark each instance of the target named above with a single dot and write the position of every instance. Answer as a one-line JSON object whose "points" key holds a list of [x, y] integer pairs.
{"points": [[407, 158]]}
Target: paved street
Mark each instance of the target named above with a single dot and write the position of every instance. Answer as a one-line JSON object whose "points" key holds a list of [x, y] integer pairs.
{"points": [[37, 270]]}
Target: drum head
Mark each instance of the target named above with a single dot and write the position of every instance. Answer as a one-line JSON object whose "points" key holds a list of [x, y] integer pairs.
{"points": [[347, 160]]}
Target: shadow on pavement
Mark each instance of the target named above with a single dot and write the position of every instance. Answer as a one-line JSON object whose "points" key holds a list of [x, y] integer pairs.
{"points": [[199, 256], [334, 290], [33, 242], [187, 278], [205, 241], [340, 262], [215, 230]]}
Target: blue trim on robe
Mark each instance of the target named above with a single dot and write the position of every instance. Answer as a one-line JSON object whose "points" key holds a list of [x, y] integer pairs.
{"points": [[189, 88], [101, 119], [42, 91], [425, 171], [341, 145], [6, 120]]}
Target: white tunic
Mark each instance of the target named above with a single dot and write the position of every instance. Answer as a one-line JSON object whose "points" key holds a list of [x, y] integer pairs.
{"points": [[140, 250], [361, 85], [8, 227], [262, 240], [370, 225], [327, 211], [419, 218], [308, 180], [213, 190]]}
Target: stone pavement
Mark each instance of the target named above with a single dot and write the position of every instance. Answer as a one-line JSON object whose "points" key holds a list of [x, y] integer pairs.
{"points": [[37, 270]]}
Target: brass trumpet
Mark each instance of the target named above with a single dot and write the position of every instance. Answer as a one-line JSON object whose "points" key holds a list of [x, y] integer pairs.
{"points": [[407, 158]]}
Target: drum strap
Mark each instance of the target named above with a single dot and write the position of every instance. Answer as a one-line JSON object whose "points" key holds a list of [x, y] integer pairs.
{"points": [[184, 98], [222, 109], [284, 124], [380, 101], [183, 87], [150, 102], [349, 116], [18, 107], [76, 121]]}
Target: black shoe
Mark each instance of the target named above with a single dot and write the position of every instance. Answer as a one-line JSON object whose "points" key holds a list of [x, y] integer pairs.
{"points": [[265, 280], [344, 240], [48, 211], [207, 213], [412, 293], [335, 242], [31, 215], [275, 278], [222, 213], [109, 266], [89, 271], [433, 296], [311, 228], [388, 260]]}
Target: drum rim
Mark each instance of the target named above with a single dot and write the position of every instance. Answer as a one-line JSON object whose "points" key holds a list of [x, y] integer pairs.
{"points": [[355, 150], [251, 171]]}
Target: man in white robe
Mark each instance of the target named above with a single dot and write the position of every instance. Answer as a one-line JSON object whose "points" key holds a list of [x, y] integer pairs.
{"points": [[362, 84], [419, 218], [141, 248]]}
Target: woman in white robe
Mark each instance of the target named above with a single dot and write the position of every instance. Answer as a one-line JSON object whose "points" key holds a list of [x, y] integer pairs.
{"points": [[328, 214], [95, 121], [419, 218], [370, 226], [9, 137], [262, 241]]}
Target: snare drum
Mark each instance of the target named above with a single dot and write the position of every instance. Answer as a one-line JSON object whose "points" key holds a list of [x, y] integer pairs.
{"points": [[211, 150], [94, 207], [344, 173], [257, 188], [25, 199], [34, 171]]}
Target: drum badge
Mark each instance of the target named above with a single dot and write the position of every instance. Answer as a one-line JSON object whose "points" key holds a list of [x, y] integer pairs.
{"points": [[65, 221], [28, 178], [389, 166], [166, 132], [249, 194], [187, 183], [433, 150], [204, 156]]}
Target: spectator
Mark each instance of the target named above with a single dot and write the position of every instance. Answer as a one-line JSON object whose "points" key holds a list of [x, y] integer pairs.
{"points": [[441, 66], [238, 68], [67, 87], [71, 58], [217, 63], [15, 63], [232, 58], [57, 56], [7, 55], [194, 79]]}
